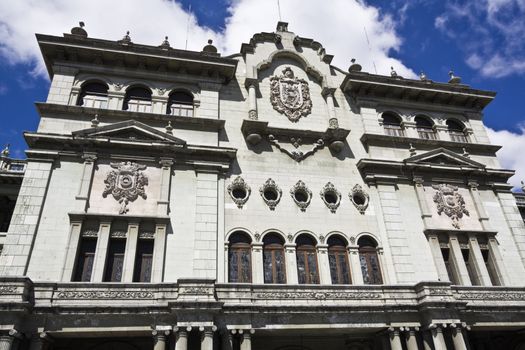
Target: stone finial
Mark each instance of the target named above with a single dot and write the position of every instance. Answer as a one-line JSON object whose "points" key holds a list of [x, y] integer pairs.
{"points": [[79, 31], [423, 76], [412, 150], [126, 40], [453, 78], [282, 26], [393, 73], [465, 153], [95, 121], [354, 67], [165, 44], [169, 128], [209, 48], [5, 151]]}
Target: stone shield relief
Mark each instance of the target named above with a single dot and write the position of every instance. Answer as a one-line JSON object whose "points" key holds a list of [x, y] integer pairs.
{"points": [[290, 95], [449, 201], [125, 183]]}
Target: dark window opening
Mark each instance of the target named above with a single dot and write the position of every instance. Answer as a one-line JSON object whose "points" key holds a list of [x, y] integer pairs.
{"points": [[85, 260], [369, 260], [338, 260], [274, 259], [94, 95], [138, 99], [239, 258], [7, 206], [270, 194], [359, 199], [425, 128], [239, 193], [330, 197], [115, 260], [456, 131], [181, 104], [306, 253], [143, 260], [301, 196], [392, 124]]}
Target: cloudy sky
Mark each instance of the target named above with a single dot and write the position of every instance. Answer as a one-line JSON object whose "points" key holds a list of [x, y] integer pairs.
{"points": [[483, 41]]}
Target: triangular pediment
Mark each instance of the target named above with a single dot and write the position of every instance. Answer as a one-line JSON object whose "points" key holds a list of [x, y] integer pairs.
{"points": [[129, 130], [443, 156]]}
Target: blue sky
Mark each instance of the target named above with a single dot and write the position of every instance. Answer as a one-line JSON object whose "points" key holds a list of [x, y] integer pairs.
{"points": [[482, 41]]}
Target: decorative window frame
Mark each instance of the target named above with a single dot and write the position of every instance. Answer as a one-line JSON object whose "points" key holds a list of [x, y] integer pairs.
{"points": [[270, 184], [329, 187], [301, 186], [239, 183], [358, 190]]}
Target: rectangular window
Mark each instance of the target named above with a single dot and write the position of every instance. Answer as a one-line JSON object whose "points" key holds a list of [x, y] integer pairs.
{"points": [[446, 258], [85, 260], [467, 258], [143, 261], [115, 260], [487, 258]]}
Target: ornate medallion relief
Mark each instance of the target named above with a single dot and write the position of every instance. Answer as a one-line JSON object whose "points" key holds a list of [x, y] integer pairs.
{"points": [[331, 196], [359, 198], [290, 96], [449, 201], [301, 195], [239, 191], [271, 193], [125, 184]]}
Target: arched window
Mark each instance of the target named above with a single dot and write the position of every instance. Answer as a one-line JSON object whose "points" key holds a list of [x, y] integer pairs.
{"points": [[425, 128], [307, 271], [180, 103], [338, 259], [456, 130], [94, 95], [273, 259], [138, 99], [240, 258], [392, 124], [369, 260]]}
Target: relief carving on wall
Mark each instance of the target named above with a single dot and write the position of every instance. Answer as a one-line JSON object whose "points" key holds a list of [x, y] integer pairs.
{"points": [[290, 96], [239, 191], [360, 199], [126, 183], [296, 154], [449, 201]]}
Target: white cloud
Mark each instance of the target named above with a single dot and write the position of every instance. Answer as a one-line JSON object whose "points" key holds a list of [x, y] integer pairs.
{"points": [[510, 155], [339, 27], [491, 33]]}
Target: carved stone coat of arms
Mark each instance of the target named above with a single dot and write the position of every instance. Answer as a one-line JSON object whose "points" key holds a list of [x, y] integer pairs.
{"points": [[290, 95], [450, 202], [126, 183]]}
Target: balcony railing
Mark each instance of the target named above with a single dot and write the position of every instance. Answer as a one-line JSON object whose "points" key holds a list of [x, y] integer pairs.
{"points": [[139, 106], [95, 101], [457, 136], [12, 166], [393, 130], [181, 110], [426, 134]]}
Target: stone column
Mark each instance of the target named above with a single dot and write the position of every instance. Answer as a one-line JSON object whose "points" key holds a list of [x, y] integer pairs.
{"points": [[410, 337], [181, 337], [426, 214], [437, 337], [410, 129], [159, 104], [330, 101], [482, 273], [433, 242], [160, 339], [131, 250], [157, 268], [165, 177], [207, 337], [246, 342], [85, 182], [324, 264], [227, 340], [497, 262], [395, 340], [251, 85], [482, 214], [6, 342], [355, 265], [71, 251], [427, 340], [457, 337], [257, 263], [442, 132], [457, 262], [73, 96], [291, 263], [101, 251]]}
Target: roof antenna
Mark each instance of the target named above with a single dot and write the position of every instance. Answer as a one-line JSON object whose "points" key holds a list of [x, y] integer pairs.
{"points": [[188, 28], [369, 48], [279, 9]]}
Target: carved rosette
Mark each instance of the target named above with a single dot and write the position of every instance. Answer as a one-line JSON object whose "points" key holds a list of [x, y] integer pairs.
{"points": [[449, 201], [236, 189], [331, 196], [271, 188], [290, 96], [125, 184], [359, 198], [301, 195]]}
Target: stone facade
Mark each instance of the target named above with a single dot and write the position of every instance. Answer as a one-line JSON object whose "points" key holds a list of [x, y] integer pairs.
{"points": [[185, 200]]}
